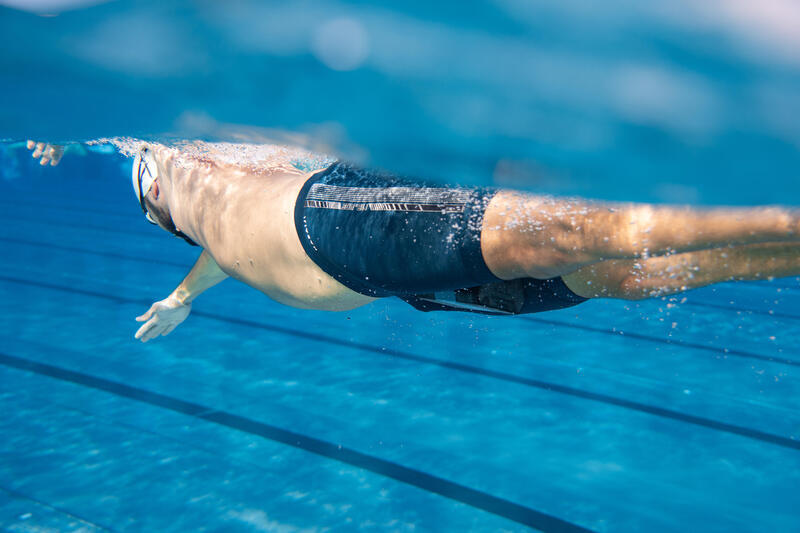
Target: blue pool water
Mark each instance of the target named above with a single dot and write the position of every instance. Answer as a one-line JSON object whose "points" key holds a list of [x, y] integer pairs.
{"points": [[679, 414]]}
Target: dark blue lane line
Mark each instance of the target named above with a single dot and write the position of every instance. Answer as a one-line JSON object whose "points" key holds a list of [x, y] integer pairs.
{"points": [[133, 216], [771, 314], [62, 207], [564, 324], [558, 323], [682, 344], [766, 284], [772, 284], [460, 367], [152, 233], [124, 257], [422, 480], [17, 494]]}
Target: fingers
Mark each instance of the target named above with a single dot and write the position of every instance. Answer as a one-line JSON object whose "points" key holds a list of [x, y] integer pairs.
{"points": [[147, 315], [56, 153], [161, 319], [149, 331], [37, 153], [49, 153], [142, 331]]}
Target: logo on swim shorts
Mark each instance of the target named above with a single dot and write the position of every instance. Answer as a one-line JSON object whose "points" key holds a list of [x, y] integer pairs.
{"points": [[414, 199]]}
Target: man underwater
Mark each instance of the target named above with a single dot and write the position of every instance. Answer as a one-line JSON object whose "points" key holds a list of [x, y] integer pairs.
{"points": [[339, 238]]}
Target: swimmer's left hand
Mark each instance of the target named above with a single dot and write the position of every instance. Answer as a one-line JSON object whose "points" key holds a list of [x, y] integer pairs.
{"points": [[46, 153], [162, 318]]}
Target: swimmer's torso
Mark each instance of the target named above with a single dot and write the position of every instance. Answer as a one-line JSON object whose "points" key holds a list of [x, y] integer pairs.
{"points": [[245, 220]]}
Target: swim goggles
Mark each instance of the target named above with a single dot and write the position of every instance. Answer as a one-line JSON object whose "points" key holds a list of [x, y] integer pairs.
{"points": [[143, 178]]}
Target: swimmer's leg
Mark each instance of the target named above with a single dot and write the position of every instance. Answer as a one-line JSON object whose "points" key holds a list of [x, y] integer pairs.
{"points": [[633, 279], [541, 237]]}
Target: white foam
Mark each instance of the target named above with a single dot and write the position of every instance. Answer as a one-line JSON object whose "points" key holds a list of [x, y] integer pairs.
{"points": [[256, 157]]}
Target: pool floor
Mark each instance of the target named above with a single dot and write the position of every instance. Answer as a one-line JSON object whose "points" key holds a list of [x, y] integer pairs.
{"points": [[664, 415]]}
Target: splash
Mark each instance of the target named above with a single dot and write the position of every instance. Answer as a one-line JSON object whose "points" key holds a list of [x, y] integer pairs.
{"points": [[257, 158]]}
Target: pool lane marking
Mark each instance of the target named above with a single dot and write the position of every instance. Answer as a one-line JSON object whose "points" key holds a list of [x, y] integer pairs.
{"points": [[417, 478], [111, 255], [132, 216], [19, 495], [676, 342], [460, 367], [769, 314], [558, 323], [124, 257], [151, 235], [562, 324], [102, 229]]}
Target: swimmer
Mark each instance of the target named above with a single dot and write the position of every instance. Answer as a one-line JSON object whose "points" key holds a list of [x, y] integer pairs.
{"points": [[339, 238]]}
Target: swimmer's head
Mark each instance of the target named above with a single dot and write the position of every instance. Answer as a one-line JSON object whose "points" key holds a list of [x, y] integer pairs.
{"points": [[151, 200]]}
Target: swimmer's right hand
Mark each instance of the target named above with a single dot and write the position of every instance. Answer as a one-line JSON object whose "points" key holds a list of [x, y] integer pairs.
{"points": [[46, 153], [162, 318]]}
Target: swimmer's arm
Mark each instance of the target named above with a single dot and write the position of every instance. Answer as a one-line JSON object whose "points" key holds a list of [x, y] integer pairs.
{"points": [[167, 314], [204, 274]]}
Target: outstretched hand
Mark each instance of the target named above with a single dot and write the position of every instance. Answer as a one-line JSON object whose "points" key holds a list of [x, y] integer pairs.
{"points": [[46, 153], [162, 318]]}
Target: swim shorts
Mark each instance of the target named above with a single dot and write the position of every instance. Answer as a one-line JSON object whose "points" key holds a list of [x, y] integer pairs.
{"points": [[381, 235]]}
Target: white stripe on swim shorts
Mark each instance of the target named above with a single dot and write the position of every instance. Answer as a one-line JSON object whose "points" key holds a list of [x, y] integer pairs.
{"points": [[390, 195]]}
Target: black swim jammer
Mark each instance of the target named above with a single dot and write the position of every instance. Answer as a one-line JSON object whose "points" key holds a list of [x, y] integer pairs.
{"points": [[381, 235]]}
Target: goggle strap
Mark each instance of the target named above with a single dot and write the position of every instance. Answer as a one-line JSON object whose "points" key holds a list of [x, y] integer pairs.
{"points": [[139, 176]]}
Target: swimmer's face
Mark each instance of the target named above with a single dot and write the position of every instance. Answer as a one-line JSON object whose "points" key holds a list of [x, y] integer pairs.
{"points": [[157, 207]]}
